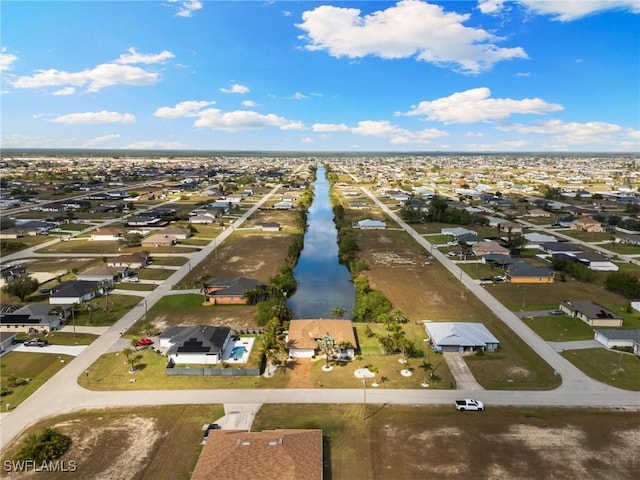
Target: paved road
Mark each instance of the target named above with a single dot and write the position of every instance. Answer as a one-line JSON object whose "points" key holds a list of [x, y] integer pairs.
{"points": [[62, 393], [573, 380], [460, 371]]}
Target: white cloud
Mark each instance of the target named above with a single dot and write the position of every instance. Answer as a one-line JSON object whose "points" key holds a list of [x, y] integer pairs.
{"points": [[329, 127], [6, 59], [100, 140], [523, 74], [19, 140], [185, 8], [410, 28], [634, 134], [183, 109], [299, 96], [133, 56], [96, 78], [513, 143], [395, 134], [490, 6], [236, 88], [475, 105], [65, 91], [96, 117], [230, 121], [569, 132], [249, 104], [474, 134], [563, 10]]}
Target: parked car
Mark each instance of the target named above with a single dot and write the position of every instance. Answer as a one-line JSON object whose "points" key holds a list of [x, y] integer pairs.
{"points": [[469, 404], [556, 312], [211, 426], [36, 342], [144, 342]]}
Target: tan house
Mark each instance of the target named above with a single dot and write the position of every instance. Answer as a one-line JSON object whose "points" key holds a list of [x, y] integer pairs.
{"points": [[134, 260], [159, 240], [267, 455], [591, 313], [177, 232], [485, 248], [108, 234], [587, 224], [304, 334], [229, 290]]}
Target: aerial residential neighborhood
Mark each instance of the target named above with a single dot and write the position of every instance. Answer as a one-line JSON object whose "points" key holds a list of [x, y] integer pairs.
{"points": [[453, 292], [296, 240]]}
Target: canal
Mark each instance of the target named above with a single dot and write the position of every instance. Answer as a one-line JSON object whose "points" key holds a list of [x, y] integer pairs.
{"points": [[323, 282]]}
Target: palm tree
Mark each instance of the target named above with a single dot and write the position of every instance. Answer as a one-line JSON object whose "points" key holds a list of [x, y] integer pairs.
{"points": [[90, 307], [131, 358], [338, 312], [327, 345], [426, 367], [398, 316]]}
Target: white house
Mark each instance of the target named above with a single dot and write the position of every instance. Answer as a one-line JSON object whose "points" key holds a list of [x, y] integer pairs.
{"points": [[611, 338], [369, 224], [195, 345], [108, 234], [74, 291], [460, 337]]}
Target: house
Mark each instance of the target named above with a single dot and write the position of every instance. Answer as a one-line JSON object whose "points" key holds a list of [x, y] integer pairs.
{"points": [[108, 234], [8, 273], [11, 233], [537, 212], [619, 338], [133, 260], [628, 238], [104, 273], [268, 455], [205, 219], [178, 233], [159, 240], [587, 224], [483, 248], [358, 205], [462, 337], [195, 345], [498, 259], [521, 272], [269, 226], [596, 261], [456, 231], [510, 227], [304, 334], [469, 239], [369, 224], [560, 247], [591, 313], [31, 318], [283, 205], [73, 291], [229, 290], [146, 220], [535, 239]]}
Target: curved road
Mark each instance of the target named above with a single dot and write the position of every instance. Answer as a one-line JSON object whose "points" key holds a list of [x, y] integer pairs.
{"points": [[62, 394]]}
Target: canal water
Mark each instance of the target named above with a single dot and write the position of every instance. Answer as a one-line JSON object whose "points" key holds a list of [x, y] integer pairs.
{"points": [[322, 281]]}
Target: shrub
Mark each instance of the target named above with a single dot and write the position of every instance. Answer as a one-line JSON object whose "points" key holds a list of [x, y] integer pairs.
{"points": [[48, 445]]}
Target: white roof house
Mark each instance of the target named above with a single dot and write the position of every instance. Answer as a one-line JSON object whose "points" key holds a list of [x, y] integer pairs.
{"points": [[460, 336]]}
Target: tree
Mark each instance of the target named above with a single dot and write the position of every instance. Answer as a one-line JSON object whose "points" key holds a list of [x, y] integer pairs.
{"points": [[426, 367], [21, 287], [90, 307], [49, 445], [327, 345], [338, 312], [623, 283], [131, 358]]}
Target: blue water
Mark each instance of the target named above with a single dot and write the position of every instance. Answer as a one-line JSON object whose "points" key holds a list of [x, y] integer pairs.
{"points": [[237, 352], [323, 282]]}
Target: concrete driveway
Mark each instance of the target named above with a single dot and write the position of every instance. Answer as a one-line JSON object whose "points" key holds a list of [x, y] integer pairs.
{"points": [[73, 350], [460, 371]]}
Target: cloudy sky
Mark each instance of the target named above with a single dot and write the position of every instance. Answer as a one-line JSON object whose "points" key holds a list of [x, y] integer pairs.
{"points": [[412, 75]]}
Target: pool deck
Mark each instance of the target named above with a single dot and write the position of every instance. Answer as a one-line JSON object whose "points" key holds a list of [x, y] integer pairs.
{"points": [[246, 342]]}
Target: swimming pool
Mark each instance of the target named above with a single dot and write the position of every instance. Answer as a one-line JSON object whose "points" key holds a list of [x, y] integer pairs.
{"points": [[237, 352]]}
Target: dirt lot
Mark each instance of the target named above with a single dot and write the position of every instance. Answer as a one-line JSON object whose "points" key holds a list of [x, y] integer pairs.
{"points": [[152, 443], [394, 442]]}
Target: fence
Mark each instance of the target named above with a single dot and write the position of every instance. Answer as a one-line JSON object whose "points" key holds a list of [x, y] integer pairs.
{"points": [[216, 372]]}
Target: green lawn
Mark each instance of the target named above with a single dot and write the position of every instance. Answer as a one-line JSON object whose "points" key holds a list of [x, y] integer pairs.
{"points": [[118, 306], [172, 261], [560, 328], [63, 338], [154, 274], [623, 248], [36, 367], [138, 287], [617, 369]]}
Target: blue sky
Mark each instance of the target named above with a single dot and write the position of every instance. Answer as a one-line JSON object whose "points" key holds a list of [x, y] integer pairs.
{"points": [[488, 75]]}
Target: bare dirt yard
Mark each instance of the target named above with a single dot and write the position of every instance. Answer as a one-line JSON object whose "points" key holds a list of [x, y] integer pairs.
{"points": [[150, 443], [396, 442]]}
